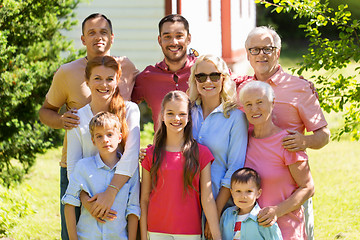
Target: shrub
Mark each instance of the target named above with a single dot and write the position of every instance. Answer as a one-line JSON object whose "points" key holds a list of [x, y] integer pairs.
{"points": [[30, 47], [14, 205]]}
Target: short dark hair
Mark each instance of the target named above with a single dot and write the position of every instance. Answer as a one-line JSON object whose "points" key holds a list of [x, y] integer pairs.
{"points": [[174, 18], [244, 175], [96, 15]]}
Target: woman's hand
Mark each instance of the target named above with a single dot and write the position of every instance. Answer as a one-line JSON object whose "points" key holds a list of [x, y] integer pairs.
{"points": [[207, 232], [84, 197], [267, 216], [142, 153], [102, 203]]}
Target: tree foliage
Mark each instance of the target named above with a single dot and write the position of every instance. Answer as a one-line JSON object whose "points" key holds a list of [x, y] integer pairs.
{"points": [[337, 92], [30, 48]]}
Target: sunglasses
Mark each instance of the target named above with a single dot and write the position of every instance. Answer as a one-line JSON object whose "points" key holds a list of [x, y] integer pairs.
{"points": [[214, 77]]}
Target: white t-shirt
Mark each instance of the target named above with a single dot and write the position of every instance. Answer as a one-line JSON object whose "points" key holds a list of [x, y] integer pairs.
{"points": [[79, 144]]}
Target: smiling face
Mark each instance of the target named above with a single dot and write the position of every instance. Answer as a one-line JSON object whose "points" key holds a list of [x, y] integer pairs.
{"points": [[97, 37], [102, 83], [208, 89], [106, 139], [264, 65], [257, 106], [176, 116], [173, 41], [245, 195]]}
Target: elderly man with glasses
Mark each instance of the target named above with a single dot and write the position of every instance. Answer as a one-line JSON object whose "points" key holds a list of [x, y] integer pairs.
{"points": [[296, 107]]}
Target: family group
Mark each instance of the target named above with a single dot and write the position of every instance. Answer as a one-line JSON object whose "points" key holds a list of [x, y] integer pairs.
{"points": [[228, 158]]}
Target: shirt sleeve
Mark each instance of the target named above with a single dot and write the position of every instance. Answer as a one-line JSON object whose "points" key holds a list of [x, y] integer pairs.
{"points": [[237, 146], [293, 157], [205, 156], [146, 163], [56, 95], [137, 93], [129, 161], [310, 111], [272, 233], [133, 206], [72, 194], [74, 149], [227, 224]]}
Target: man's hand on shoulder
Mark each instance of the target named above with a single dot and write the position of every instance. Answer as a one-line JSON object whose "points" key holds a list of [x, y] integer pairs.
{"points": [[49, 115], [312, 86]]}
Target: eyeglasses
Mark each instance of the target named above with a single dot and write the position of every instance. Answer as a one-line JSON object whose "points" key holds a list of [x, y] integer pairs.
{"points": [[214, 77], [266, 50]]}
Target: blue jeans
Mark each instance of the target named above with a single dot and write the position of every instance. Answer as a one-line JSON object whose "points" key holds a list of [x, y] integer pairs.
{"points": [[64, 182]]}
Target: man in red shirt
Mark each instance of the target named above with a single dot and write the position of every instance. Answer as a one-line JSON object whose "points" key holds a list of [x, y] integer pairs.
{"points": [[173, 72]]}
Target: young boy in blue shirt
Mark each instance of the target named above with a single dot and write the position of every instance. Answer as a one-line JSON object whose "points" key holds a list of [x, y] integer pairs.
{"points": [[240, 221], [93, 175]]}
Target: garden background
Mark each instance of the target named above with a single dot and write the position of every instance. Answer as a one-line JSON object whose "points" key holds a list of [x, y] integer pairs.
{"points": [[29, 171]]}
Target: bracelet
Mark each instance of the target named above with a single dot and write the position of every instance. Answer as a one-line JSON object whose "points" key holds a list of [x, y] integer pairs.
{"points": [[110, 185]]}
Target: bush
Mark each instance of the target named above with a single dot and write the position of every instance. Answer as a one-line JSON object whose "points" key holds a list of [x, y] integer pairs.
{"points": [[30, 47], [14, 205], [337, 92]]}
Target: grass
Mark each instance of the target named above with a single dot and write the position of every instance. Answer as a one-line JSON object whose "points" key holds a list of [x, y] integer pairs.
{"points": [[335, 170], [44, 181]]}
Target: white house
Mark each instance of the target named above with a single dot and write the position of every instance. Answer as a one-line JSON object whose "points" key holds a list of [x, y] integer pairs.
{"points": [[218, 27]]}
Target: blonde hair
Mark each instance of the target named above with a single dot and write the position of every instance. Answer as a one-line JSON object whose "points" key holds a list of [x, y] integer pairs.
{"points": [[228, 91], [105, 120]]}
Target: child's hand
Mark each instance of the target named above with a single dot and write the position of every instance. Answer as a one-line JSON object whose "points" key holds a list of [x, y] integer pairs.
{"points": [[267, 216], [207, 231], [102, 203]]}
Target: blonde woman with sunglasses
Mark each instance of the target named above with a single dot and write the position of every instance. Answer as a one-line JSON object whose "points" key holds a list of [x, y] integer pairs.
{"points": [[217, 123]]}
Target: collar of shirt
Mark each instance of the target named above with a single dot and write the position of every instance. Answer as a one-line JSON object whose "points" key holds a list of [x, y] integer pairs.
{"points": [[253, 213], [277, 78], [189, 62], [217, 109], [100, 164]]}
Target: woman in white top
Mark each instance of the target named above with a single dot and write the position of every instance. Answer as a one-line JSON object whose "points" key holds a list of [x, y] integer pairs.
{"points": [[102, 76]]}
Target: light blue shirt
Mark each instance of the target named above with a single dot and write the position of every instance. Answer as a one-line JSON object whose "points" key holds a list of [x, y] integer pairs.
{"points": [[250, 229], [93, 176], [227, 140]]}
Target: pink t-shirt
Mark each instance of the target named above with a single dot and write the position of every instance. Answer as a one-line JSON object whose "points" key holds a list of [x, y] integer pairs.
{"points": [[170, 210], [296, 106], [155, 82], [268, 157]]}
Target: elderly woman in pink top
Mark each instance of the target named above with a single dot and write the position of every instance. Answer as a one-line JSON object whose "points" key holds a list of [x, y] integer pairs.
{"points": [[286, 177]]}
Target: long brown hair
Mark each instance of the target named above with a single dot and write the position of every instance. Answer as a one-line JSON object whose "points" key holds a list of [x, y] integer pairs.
{"points": [[190, 150], [117, 104]]}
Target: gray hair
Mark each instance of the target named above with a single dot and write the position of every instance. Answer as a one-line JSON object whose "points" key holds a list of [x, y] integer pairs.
{"points": [[263, 86], [264, 30]]}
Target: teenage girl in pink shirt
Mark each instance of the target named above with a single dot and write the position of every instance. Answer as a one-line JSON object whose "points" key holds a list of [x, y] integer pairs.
{"points": [[174, 171]]}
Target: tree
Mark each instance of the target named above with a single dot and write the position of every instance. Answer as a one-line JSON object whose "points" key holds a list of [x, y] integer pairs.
{"points": [[337, 92], [30, 48]]}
